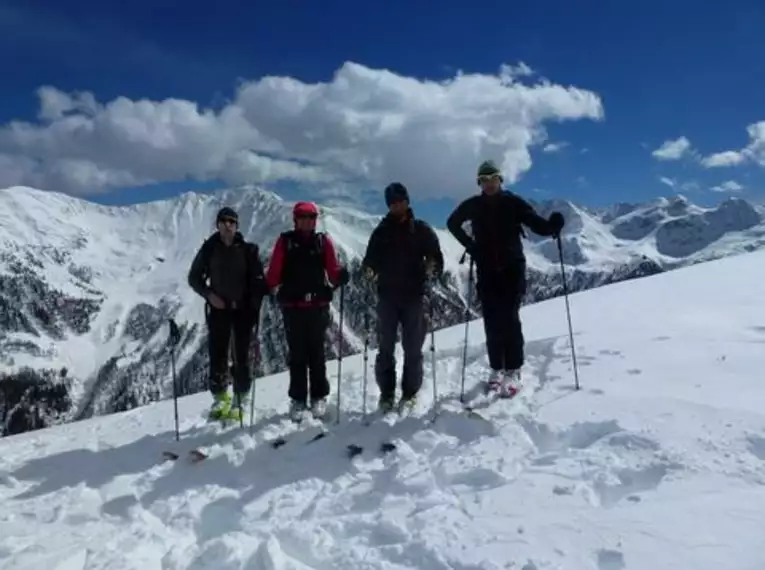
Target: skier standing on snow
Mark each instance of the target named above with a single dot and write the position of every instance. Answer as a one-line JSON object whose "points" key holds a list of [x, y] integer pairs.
{"points": [[496, 217], [402, 253], [233, 300], [304, 266]]}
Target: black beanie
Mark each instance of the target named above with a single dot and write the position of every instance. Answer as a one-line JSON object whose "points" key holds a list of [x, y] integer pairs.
{"points": [[226, 212], [396, 192]]}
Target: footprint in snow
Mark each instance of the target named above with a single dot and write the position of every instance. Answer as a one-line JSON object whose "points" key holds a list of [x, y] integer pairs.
{"points": [[610, 560], [757, 446], [611, 488], [580, 435]]}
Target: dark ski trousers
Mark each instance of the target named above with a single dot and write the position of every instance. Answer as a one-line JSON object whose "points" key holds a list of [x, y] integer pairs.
{"points": [[306, 329], [501, 297], [229, 327], [410, 314]]}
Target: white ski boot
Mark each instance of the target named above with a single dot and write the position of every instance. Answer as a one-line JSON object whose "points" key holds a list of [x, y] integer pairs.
{"points": [[511, 384], [297, 411], [319, 408]]}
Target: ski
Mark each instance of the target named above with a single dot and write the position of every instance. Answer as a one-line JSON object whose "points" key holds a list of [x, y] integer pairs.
{"points": [[386, 446], [310, 422], [193, 455]]}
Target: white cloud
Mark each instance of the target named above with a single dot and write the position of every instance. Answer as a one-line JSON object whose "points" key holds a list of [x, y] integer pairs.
{"points": [[726, 158], [554, 147], [668, 181], [686, 186], [753, 152], [366, 126], [673, 149], [729, 186]]}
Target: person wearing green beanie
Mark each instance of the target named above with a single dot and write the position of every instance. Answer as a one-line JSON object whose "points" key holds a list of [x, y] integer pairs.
{"points": [[497, 218]]}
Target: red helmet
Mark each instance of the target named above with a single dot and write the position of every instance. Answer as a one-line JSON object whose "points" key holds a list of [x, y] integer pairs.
{"points": [[305, 209]]}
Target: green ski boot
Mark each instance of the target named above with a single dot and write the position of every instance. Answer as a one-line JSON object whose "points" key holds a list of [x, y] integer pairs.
{"points": [[236, 411], [220, 408]]}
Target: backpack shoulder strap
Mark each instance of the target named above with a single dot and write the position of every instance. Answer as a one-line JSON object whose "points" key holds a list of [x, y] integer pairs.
{"points": [[207, 249]]}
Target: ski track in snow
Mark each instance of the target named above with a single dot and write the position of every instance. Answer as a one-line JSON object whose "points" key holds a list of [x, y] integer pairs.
{"points": [[649, 466]]}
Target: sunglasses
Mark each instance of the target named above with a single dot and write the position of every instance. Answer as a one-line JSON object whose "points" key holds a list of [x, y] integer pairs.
{"points": [[231, 221], [488, 177], [306, 216]]}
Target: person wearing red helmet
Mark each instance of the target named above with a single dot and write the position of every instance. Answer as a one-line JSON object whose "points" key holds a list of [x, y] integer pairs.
{"points": [[305, 268]]}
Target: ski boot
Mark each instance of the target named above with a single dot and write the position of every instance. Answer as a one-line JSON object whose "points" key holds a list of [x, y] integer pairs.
{"points": [[297, 411], [512, 383], [319, 408], [385, 405], [406, 405], [221, 406], [236, 411], [494, 385]]}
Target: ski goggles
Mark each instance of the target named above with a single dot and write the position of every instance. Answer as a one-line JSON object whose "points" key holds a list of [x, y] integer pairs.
{"points": [[488, 177]]}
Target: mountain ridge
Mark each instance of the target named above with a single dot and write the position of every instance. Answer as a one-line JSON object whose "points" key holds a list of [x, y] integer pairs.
{"points": [[87, 289]]}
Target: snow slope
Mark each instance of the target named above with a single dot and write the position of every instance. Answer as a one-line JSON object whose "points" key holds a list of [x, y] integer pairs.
{"points": [[658, 462]]}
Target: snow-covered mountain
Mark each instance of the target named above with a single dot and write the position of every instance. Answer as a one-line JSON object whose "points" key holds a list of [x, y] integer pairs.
{"points": [[86, 290]]}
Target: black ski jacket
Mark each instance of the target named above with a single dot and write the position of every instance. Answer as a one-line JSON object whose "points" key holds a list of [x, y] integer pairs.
{"points": [[235, 272], [497, 227], [398, 252]]}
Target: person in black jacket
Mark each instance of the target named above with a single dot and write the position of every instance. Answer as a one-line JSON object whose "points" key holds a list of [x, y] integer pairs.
{"points": [[497, 218], [402, 253], [233, 300]]}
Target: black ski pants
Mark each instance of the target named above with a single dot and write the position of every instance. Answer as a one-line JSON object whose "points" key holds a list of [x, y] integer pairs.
{"points": [[501, 295], [306, 329], [230, 332], [410, 314]]}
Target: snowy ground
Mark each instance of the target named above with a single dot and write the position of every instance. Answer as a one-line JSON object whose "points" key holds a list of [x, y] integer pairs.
{"points": [[658, 462]]}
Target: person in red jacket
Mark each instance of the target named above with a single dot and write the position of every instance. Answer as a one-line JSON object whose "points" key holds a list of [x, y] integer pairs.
{"points": [[305, 268]]}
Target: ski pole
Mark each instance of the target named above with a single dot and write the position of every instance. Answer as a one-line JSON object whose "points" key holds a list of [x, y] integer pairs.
{"points": [[568, 312], [340, 352], [173, 339], [365, 374], [467, 324], [433, 355], [257, 362]]}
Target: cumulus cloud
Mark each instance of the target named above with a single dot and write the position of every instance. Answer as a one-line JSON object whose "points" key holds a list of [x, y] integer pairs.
{"points": [[673, 149], [364, 127], [729, 186], [753, 152]]}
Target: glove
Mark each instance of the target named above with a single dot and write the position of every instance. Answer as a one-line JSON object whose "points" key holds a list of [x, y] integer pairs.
{"points": [[430, 269], [343, 276], [556, 222], [370, 274]]}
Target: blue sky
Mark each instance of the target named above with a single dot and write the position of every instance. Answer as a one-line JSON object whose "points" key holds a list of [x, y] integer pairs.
{"points": [[662, 70]]}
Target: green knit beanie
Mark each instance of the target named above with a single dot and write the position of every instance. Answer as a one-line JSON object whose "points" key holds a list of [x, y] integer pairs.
{"points": [[488, 168]]}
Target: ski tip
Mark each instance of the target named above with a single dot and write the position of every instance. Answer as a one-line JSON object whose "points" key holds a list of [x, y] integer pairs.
{"points": [[318, 436], [196, 456], [354, 450]]}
